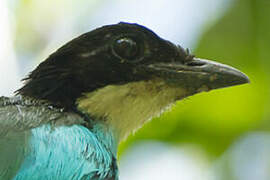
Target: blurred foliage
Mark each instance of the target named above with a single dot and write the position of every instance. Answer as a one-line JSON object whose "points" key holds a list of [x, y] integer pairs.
{"points": [[38, 22], [214, 120]]}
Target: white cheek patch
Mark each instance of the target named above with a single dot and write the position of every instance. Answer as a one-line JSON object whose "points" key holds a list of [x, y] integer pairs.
{"points": [[127, 107]]}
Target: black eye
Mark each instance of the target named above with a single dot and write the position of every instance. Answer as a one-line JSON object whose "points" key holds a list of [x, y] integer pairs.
{"points": [[126, 48]]}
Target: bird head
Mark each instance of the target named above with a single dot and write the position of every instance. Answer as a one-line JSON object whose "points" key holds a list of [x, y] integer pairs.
{"points": [[124, 74]]}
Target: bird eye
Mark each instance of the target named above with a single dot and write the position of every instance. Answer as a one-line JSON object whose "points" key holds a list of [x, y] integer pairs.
{"points": [[126, 48]]}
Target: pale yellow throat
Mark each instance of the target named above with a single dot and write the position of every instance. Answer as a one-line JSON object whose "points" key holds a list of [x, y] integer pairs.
{"points": [[127, 107]]}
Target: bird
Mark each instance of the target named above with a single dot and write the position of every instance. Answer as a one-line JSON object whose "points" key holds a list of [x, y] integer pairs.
{"points": [[75, 107]]}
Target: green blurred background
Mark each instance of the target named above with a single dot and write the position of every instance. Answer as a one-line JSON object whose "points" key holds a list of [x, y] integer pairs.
{"points": [[223, 134]]}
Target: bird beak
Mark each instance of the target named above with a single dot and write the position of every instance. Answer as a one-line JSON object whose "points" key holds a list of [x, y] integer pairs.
{"points": [[200, 74]]}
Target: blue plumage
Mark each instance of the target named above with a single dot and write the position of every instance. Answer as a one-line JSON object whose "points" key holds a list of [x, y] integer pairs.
{"points": [[63, 153], [41, 142], [69, 153]]}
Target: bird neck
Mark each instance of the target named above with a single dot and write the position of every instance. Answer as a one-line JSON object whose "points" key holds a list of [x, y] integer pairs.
{"points": [[106, 136], [125, 108]]}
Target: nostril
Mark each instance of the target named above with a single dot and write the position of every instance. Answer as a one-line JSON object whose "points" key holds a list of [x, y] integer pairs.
{"points": [[195, 63]]}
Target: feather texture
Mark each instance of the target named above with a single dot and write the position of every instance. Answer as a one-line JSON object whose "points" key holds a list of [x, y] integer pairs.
{"points": [[45, 149]]}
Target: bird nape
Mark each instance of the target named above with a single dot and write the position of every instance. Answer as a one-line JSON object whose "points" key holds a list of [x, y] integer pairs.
{"points": [[75, 107]]}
